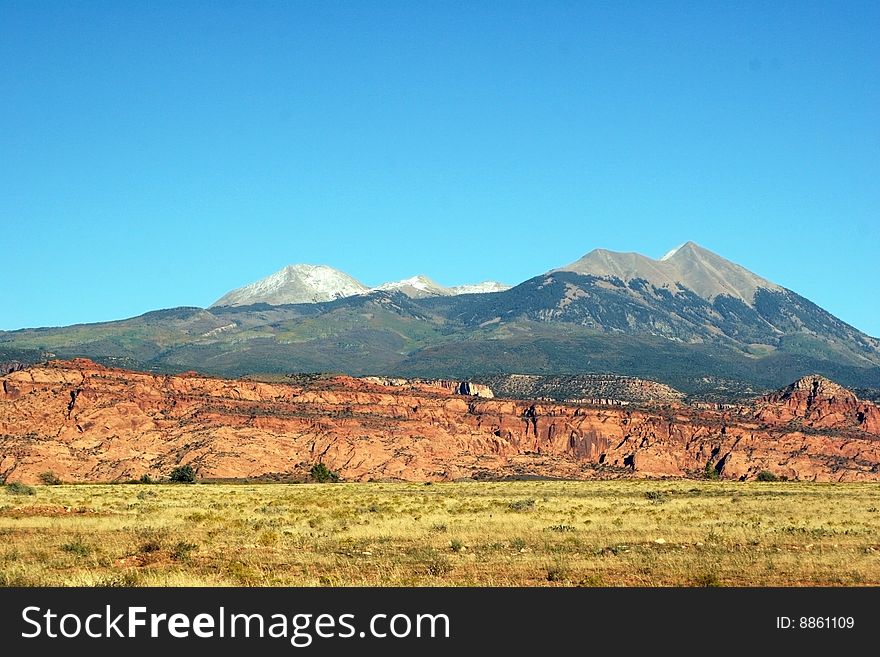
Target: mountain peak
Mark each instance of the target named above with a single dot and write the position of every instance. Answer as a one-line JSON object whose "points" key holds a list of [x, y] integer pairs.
{"points": [[671, 253], [703, 272], [415, 287], [817, 386], [820, 403], [480, 288], [684, 250], [299, 283], [420, 286]]}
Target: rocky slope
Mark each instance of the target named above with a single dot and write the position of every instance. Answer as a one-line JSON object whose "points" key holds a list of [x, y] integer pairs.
{"points": [[587, 388], [815, 402], [85, 422], [694, 298], [690, 266]]}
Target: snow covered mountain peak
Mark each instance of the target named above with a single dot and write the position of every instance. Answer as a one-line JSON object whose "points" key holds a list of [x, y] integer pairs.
{"points": [[480, 288], [415, 287], [316, 283], [295, 284]]}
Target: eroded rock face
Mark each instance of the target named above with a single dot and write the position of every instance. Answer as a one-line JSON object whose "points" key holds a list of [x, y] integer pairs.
{"points": [[85, 422], [475, 390], [428, 385], [11, 366], [596, 389], [818, 403]]}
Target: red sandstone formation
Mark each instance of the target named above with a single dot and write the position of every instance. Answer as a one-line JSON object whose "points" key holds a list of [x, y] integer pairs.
{"points": [[818, 403], [85, 422], [455, 387]]}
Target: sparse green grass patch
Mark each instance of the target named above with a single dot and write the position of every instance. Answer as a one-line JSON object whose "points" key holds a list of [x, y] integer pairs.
{"points": [[522, 505], [17, 488], [78, 547]]}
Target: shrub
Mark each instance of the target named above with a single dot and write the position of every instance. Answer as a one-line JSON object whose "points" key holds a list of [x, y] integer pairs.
{"points": [[49, 478], [146, 479], [437, 566], [77, 547], [17, 488], [518, 543], [766, 475], [522, 505], [557, 572], [322, 474], [183, 474], [181, 551], [593, 579], [655, 496], [707, 580], [456, 545], [711, 471]]}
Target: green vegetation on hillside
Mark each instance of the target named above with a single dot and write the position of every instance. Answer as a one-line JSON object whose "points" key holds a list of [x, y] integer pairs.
{"points": [[560, 324]]}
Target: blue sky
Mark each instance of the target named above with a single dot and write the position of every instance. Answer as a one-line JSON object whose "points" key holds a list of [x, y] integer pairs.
{"points": [[159, 154]]}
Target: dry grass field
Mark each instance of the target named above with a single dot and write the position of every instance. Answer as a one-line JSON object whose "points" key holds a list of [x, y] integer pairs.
{"points": [[607, 533]]}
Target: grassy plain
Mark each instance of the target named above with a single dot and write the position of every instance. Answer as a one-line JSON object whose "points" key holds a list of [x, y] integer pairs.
{"points": [[607, 533]]}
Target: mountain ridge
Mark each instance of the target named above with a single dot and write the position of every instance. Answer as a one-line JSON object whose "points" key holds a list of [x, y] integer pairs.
{"points": [[697, 268], [605, 318], [305, 283]]}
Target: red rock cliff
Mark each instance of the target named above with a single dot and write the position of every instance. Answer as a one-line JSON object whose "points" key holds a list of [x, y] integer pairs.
{"points": [[85, 422]]}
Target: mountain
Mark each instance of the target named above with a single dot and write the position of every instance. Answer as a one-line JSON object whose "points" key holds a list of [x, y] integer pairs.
{"points": [[706, 274], [479, 288], [691, 296], [295, 284], [416, 287], [692, 320], [419, 287], [318, 283]]}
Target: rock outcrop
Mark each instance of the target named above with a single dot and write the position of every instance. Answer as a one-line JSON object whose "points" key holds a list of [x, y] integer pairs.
{"points": [[609, 389], [85, 422], [11, 366], [456, 387], [818, 403]]}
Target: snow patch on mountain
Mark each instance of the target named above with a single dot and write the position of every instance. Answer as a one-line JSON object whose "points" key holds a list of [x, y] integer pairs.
{"points": [[295, 284], [486, 287], [672, 252], [419, 285], [318, 283]]}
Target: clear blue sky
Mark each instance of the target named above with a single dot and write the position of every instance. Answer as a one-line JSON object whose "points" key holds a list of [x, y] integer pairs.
{"points": [[158, 154]]}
